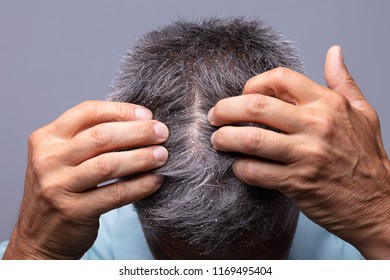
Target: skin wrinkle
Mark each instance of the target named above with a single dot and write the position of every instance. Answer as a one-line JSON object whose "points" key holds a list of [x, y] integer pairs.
{"points": [[180, 72]]}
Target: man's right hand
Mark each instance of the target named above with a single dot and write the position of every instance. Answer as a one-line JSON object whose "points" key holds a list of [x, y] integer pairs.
{"points": [[67, 159]]}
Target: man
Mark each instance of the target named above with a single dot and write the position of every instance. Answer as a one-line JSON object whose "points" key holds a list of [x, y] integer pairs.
{"points": [[68, 158], [202, 210]]}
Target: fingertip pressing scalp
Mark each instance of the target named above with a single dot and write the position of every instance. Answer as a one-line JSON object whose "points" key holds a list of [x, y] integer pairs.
{"points": [[180, 71]]}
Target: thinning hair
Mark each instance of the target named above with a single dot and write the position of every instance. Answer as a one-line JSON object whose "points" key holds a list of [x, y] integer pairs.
{"points": [[180, 71]]}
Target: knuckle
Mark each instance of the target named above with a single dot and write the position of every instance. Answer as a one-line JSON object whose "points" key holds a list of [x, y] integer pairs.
{"points": [[88, 107], [145, 131], [248, 172], [340, 103], [88, 110], [322, 124], [319, 155], [118, 195], [327, 126], [122, 112], [50, 192], [92, 109], [36, 137], [144, 187], [144, 158], [103, 168], [250, 176], [257, 105], [43, 162], [99, 136], [252, 141], [374, 118], [306, 176], [38, 162], [280, 73]]}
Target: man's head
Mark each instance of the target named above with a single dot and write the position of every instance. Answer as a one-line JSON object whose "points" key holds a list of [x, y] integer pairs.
{"points": [[180, 72]]}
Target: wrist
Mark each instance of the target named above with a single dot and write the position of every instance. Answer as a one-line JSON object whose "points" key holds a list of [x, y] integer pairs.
{"points": [[19, 249], [378, 248], [376, 245]]}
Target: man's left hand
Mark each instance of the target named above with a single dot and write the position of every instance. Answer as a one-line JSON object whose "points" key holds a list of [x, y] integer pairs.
{"points": [[328, 158]]}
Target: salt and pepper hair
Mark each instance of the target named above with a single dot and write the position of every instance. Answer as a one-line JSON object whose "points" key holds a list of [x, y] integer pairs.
{"points": [[180, 71]]}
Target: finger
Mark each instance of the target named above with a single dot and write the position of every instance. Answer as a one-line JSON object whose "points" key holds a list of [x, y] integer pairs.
{"points": [[103, 199], [263, 174], [339, 79], [254, 141], [334, 75], [108, 137], [114, 165], [90, 113], [286, 85], [257, 108]]}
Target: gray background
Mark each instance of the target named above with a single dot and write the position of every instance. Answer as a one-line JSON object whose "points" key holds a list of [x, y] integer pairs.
{"points": [[55, 54]]}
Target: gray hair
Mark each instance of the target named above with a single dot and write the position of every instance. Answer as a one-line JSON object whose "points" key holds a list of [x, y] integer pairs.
{"points": [[179, 72]]}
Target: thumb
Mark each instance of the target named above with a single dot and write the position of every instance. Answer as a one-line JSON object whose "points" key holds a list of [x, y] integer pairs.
{"points": [[339, 80]]}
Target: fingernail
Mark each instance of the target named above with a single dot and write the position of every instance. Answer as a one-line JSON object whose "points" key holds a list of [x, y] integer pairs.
{"points": [[210, 115], [161, 130], [143, 113], [160, 154]]}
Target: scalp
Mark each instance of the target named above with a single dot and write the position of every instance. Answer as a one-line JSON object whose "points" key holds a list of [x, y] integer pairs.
{"points": [[180, 72]]}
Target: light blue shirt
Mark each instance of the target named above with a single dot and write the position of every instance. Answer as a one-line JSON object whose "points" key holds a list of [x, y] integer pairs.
{"points": [[120, 237]]}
